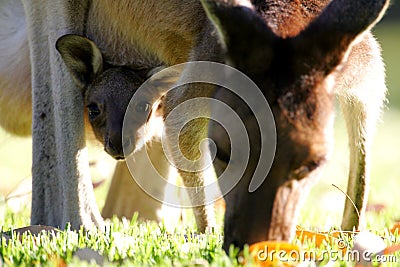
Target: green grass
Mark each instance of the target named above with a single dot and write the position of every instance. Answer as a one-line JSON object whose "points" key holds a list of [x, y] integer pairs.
{"points": [[130, 243], [122, 243]]}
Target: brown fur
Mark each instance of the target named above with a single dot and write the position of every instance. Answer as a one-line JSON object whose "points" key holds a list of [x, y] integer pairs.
{"points": [[288, 18], [152, 38]]}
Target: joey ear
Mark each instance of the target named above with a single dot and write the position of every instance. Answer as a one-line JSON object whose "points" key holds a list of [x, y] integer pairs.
{"points": [[245, 36], [82, 57], [327, 39]]}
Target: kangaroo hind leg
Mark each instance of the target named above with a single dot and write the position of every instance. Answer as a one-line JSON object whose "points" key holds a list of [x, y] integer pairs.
{"points": [[362, 95]]}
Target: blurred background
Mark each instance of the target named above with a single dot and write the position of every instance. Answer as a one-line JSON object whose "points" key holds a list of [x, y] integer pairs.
{"points": [[325, 203]]}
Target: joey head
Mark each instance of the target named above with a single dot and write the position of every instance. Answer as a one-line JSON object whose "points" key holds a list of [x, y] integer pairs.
{"points": [[107, 92]]}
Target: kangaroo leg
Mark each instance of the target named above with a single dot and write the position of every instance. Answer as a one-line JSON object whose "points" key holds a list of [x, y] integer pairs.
{"points": [[193, 176], [61, 189], [125, 196], [204, 214], [361, 98], [186, 129]]}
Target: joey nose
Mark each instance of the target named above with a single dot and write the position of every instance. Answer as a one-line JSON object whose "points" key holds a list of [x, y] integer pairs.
{"points": [[114, 147]]}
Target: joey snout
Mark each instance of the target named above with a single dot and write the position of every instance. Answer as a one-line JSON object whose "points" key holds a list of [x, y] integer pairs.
{"points": [[119, 146]]}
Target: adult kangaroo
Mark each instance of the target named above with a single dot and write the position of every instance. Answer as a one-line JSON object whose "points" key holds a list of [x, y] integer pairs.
{"points": [[291, 50], [299, 53]]}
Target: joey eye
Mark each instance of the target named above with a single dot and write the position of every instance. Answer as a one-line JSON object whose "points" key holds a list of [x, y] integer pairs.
{"points": [[94, 111], [142, 107]]}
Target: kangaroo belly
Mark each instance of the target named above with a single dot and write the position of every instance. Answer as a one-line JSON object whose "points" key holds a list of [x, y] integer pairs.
{"points": [[15, 71], [144, 33]]}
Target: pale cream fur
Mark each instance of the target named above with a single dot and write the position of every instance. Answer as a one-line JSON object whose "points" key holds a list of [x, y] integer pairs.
{"points": [[15, 71], [362, 93]]}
